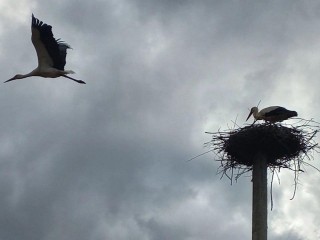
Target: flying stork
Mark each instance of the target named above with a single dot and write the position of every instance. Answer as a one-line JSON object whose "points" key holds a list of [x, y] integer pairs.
{"points": [[51, 53], [272, 114]]}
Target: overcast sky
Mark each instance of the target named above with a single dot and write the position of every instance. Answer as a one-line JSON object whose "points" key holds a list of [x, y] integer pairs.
{"points": [[107, 160]]}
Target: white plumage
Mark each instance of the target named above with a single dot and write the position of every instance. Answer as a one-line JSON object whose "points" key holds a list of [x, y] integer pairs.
{"points": [[51, 53]]}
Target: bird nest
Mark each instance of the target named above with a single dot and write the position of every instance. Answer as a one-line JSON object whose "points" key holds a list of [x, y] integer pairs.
{"points": [[284, 146]]}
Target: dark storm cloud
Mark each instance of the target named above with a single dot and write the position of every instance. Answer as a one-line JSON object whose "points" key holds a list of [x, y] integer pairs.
{"points": [[108, 160]]}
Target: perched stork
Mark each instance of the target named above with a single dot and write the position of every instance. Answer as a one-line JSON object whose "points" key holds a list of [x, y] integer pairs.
{"points": [[51, 53], [272, 114]]}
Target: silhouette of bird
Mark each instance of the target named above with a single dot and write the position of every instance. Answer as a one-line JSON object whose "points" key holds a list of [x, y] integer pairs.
{"points": [[51, 53], [272, 114]]}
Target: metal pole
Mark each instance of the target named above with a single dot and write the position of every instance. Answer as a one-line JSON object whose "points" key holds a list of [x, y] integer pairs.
{"points": [[259, 198]]}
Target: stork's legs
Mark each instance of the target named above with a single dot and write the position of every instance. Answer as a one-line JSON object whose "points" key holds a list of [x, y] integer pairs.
{"points": [[78, 81]]}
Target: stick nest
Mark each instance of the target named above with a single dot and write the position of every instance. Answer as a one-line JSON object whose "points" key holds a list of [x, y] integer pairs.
{"points": [[284, 146], [278, 143]]}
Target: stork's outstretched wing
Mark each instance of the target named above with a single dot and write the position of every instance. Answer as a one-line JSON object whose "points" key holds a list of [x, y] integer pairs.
{"points": [[51, 52]]}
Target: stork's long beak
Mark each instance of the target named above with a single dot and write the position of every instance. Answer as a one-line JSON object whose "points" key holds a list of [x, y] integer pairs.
{"points": [[13, 78], [249, 115]]}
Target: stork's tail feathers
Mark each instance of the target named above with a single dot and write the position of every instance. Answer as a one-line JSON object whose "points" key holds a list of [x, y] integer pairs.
{"points": [[69, 72], [292, 114]]}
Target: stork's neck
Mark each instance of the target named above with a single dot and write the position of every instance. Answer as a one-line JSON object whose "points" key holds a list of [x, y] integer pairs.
{"points": [[30, 74], [255, 114]]}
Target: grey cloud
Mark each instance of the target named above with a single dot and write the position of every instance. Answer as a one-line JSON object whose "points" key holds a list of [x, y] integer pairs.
{"points": [[108, 160]]}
